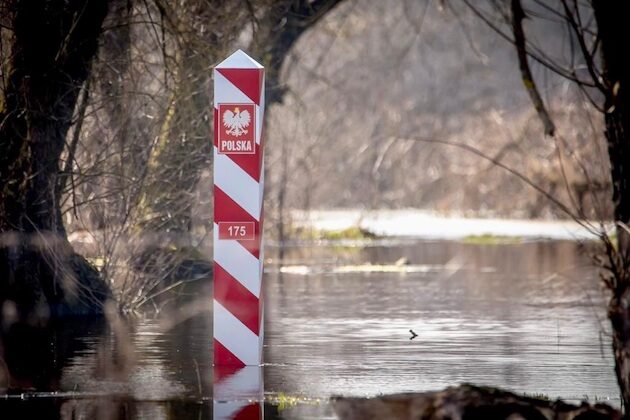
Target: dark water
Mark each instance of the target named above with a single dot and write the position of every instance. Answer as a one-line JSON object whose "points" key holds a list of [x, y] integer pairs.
{"points": [[527, 317]]}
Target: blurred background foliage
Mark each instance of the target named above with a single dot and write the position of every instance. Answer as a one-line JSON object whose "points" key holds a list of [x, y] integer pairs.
{"points": [[367, 102]]}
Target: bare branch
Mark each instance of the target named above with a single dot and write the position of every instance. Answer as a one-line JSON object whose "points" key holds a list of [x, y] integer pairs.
{"points": [[579, 33], [536, 55], [72, 147], [528, 81], [467, 147]]}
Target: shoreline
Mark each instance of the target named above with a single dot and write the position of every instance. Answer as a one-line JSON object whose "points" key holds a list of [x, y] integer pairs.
{"points": [[421, 224]]}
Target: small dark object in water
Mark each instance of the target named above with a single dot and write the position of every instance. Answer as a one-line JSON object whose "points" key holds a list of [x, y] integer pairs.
{"points": [[413, 335]]}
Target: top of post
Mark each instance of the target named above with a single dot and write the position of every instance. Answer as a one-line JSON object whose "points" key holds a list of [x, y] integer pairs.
{"points": [[239, 60]]}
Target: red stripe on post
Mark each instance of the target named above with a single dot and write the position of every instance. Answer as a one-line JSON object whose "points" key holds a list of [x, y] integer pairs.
{"points": [[228, 210], [222, 356], [241, 303], [248, 81], [249, 163], [252, 411]]}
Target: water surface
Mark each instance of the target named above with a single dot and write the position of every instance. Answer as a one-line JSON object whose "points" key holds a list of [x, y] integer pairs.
{"points": [[528, 317]]}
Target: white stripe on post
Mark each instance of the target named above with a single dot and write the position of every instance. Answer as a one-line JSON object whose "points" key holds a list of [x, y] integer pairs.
{"points": [[239, 262], [236, 183], [227, 91], [235, 336]]}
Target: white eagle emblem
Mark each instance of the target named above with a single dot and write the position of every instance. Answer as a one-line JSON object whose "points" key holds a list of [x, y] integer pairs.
{"points": [[236, 122]]}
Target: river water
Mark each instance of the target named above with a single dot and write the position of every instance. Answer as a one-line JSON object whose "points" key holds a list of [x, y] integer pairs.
{"points": [[529, 317]]}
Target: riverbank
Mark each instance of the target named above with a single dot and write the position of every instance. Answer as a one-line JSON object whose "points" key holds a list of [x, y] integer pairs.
{"points": [[412, 223], [467, 401]]}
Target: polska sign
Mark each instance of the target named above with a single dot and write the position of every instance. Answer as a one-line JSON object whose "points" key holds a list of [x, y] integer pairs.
{"points": [[238, 132]]}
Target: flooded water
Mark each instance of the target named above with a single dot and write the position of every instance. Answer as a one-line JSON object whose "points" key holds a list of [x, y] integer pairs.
{"points": [[528, 317]]}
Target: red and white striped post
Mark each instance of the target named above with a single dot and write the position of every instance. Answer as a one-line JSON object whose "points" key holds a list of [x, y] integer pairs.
{"points": [[239, 105]]}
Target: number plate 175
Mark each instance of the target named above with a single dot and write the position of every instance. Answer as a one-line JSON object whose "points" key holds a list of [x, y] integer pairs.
{"points": [[241, 231]]}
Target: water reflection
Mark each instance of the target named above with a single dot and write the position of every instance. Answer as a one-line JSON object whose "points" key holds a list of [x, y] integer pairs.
{"points": [[238, 392], [34, 357], [528, 317], [102, 409]]}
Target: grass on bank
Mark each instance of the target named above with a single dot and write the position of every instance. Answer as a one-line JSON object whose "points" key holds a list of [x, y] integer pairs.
{"points": [[488, 239], [351, 233]]}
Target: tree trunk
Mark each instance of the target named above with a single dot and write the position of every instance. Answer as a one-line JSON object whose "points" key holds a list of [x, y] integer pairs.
{"points": [[51, 45], [614, 31]]}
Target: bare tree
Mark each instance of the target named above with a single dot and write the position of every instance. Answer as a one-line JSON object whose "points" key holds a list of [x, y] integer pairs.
{"points": [[598, 31], [138, 163], [42, 74]]}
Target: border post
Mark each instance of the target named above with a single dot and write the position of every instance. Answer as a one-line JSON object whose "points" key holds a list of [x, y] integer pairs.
{"points": [[239, 105]]}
